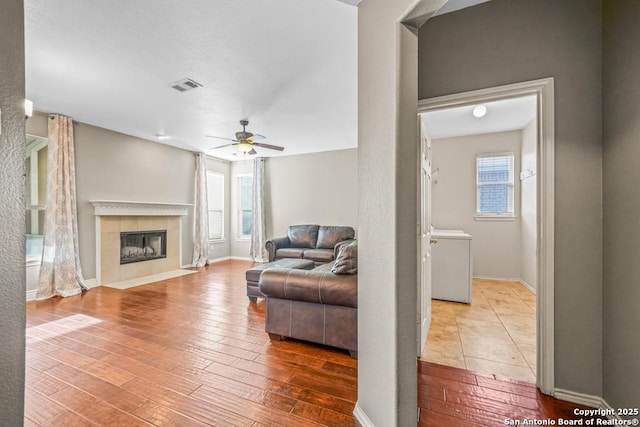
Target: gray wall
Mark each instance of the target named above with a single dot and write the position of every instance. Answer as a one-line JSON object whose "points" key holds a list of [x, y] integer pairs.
{"points": [[387, 210], [318, 188], [12, 214], [501, 42], [621, 89], [496, 243], [114, 166]]}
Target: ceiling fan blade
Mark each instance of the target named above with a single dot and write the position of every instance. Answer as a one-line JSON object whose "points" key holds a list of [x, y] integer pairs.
{"points": [[222, 146], [253, 151], [269, 146], [221, 137], [257, 137]]}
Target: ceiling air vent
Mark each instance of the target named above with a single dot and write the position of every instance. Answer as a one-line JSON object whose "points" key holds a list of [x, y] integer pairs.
{"points": [[185, 85]]}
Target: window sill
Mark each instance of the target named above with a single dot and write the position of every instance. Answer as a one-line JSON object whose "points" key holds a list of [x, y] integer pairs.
{"points": [[243, 239], [217, 241], [495, 217]]}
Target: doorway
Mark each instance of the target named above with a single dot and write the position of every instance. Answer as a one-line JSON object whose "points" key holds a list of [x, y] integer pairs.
{"points": [[540, 174]]}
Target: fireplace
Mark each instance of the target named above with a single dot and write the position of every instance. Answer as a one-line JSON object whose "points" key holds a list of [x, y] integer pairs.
{"points": [[137, 246]]}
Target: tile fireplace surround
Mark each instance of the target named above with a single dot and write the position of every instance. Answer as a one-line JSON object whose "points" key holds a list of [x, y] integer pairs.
{"points": [[114, 217]]}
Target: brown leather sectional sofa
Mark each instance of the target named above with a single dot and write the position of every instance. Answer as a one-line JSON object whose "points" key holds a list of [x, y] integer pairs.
{"points": [[318, 305], [314, 242]]}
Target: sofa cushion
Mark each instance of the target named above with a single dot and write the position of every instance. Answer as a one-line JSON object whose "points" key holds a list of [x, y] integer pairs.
{"points": [[319, 255], [329, 236], [316, 286], [289, 253], [303, 236], [347, 259]]}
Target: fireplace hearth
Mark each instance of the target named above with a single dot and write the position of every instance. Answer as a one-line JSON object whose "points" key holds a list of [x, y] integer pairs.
{"points": [[138, 246]]}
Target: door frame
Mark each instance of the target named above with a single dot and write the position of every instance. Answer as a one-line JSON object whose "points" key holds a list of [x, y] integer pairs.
{"points": [[543, 89]]}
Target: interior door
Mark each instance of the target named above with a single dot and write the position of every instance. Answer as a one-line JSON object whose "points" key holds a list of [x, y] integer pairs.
{"points": [[424, 282]]}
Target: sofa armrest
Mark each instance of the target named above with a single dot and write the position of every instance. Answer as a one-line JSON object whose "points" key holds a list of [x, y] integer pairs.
{"points": [[274, 244], [338, 245], [322, 287]]}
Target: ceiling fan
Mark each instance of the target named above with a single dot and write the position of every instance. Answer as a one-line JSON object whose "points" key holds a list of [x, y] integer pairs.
{"points": [[246, 141]]}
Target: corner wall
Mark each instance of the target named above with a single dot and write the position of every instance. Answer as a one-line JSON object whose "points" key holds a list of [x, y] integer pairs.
{"points": [[318, 188], [388, 153], [621, 86], [502, 42], [12, 214]]}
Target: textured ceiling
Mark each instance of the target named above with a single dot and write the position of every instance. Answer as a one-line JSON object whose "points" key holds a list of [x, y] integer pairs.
{"points": [[504, 115], [289, 66]]}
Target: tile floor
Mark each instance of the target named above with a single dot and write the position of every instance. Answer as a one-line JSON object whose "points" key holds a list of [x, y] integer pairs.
{"points": [[495, 334]]}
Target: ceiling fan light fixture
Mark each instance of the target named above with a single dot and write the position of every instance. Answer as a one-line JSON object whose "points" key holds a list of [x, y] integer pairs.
{"points": [[245, 146]]}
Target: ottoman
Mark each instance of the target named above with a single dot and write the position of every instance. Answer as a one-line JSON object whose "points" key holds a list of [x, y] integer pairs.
{"points": [[253, 274]]}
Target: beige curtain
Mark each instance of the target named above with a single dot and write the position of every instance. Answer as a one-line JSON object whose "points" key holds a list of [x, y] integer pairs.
{"points": [[258, 227], [60, 271], [201, 236]]}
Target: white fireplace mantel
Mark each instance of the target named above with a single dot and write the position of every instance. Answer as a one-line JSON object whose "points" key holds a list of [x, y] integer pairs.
{"points": [[123, 208]]}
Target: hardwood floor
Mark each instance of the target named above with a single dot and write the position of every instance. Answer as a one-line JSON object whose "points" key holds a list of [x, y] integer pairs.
{"points": [[192, 351], [456, 397]]}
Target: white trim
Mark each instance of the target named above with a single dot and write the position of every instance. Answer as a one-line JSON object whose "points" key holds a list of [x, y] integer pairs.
{"points": [[587, 400], [92, 283], [509, 279], [128, 208], [187, 266], [98, 250], [219, 259], [604, 405], [544, 91], [362, 417], [528, 286], [506, 279], [578, 398], [495, 217], [241, 258]]}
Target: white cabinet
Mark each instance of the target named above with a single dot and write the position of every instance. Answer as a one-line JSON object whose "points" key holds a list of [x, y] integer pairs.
{"points": [[451, 265]]}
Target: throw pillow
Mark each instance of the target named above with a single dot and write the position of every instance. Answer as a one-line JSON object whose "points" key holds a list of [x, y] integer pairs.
{"points": [[347, 259]]}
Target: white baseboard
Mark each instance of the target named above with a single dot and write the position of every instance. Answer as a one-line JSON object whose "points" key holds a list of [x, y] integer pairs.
{"points": [[510, 279], [90, 283], [362, 417], [528, 286], [589, 400], [227, 258]]}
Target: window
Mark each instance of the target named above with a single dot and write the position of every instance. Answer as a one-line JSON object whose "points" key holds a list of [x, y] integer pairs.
{"points": [[215, 201], [36, 183], [245, 213], [494, 184]]}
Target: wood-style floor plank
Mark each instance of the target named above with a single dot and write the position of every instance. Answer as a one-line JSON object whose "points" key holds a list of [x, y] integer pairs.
{"points": [[450, 396], [192, 351]]}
